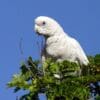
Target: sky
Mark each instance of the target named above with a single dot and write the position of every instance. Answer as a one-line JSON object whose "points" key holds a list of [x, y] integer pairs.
{"points": [[79, 18]]}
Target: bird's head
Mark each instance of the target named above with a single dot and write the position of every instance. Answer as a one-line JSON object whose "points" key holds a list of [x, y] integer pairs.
{"points": [[46, 26]]}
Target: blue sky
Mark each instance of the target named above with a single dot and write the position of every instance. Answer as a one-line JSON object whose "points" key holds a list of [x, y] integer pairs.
{"points": [[79, 18]]}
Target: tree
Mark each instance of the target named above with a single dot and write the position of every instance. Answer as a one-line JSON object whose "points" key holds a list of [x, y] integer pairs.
{"points": [[58, 82]]}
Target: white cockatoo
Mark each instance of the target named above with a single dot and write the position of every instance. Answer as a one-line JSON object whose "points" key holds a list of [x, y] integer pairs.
{"points": [[58, 44]]}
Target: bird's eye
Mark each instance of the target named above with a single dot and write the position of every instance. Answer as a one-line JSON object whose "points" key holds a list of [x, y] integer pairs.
{"points": [[43, 23]]}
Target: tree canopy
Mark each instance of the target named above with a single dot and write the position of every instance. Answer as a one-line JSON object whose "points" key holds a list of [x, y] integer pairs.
{"points": [[58, 81]]}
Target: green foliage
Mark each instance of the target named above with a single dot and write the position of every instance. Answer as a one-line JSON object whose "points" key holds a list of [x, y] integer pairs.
{"points": [[98, 98], [66, 87]]}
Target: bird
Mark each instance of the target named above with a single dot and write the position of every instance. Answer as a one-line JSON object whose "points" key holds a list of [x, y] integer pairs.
{"points": [[58, 44]]}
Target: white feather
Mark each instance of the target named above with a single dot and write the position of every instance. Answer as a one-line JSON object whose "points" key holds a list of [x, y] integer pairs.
{"points": [[58, 44]]}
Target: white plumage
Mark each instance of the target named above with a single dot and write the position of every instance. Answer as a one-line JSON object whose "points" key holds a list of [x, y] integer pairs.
{"points": [[58, 44]]}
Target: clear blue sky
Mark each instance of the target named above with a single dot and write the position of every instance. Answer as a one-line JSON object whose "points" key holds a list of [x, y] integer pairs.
{"points": [[79, 18]]}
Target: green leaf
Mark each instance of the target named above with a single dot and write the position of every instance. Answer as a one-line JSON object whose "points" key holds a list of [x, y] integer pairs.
{"points": [[32, 78]]}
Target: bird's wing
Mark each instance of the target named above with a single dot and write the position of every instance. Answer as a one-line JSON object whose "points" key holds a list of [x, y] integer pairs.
{"points": [[78, 51]]}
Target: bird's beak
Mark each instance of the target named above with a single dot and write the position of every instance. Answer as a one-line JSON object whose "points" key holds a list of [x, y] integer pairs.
{"points": [[36, 30]]}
